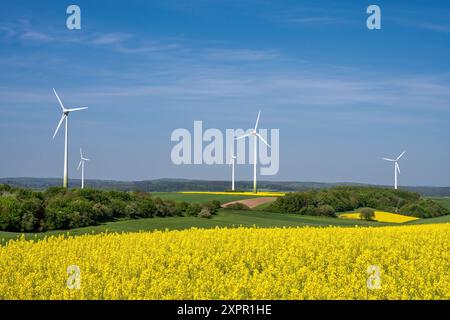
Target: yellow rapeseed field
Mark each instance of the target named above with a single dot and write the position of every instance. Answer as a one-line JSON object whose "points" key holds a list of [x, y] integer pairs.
{"points": [[382, 216], [412, 262], [243, 193]]}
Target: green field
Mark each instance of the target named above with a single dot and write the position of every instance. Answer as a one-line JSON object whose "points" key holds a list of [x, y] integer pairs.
{"points": [[444, 201], [225, 218], [443, 219], [199, 198]]}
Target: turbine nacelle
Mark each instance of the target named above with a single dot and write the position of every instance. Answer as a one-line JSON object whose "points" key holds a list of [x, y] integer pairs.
{"points": [[65, 112], [82, 159]]}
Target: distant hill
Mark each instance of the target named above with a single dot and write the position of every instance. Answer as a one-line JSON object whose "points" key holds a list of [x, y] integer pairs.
{"points": [[169, 185]]}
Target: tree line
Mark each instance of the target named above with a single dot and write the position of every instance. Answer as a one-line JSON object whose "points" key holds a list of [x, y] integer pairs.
{"points": [[327, 202], [57, 208]]}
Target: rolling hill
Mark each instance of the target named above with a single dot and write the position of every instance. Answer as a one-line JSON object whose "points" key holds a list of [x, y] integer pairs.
{"points": [[171, 185]]}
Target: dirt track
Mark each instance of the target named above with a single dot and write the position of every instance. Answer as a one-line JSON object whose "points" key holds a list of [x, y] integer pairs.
{"points": [[253, 202]]}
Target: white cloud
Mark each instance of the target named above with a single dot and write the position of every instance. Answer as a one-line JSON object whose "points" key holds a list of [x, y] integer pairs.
{"points": [[110, 38]]}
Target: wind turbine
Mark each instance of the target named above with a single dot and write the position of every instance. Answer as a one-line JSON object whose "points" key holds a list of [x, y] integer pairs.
{"points": [[81, 164], [232, 161], [396, 168], [65, 117], [256, 136]]}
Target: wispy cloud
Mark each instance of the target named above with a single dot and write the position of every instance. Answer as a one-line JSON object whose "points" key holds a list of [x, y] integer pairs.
{"points": [[36, 36], [313, 21], [433, 27], [241, 54], [126, 43], [7, 31], [312, 16], [110, 38]]}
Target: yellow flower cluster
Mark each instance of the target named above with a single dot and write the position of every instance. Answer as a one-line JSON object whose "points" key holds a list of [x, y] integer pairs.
{"points": [[382, 216], [243, 193], [405, 262]]}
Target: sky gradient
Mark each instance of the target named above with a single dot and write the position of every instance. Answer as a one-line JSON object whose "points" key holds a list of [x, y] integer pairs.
{"points": [[342, 96]]}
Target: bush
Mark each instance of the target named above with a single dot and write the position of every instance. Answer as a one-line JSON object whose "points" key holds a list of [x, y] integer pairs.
{"points": [[193, 210], [10, 219], [308, 211], [216, 204], [366, 214], [102, 212], [424, 208], [132, 211], [147, 208], [326, 210], [237, 206], [205, 213], [213, 207], [181, 207]]}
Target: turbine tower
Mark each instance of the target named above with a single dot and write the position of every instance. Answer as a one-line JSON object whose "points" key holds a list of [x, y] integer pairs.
{"points": [[256, 136], [81, 164], [396, 168], [232, 161], [65, 117]]}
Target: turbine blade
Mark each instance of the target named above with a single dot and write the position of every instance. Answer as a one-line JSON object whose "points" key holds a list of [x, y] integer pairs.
{"points": [[387, 159], [81, 153], [86, 159], [244, 136], [79, 165], [262, 139], [400, 155], [59, 125], [397, 167], [59, 100], [76, 109], [257, 120]]}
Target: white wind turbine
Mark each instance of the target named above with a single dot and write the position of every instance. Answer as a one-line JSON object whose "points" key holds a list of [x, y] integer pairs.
{"points": [[232, 162], [65, 116], [81, 164], [396, 168], [256, 136]]}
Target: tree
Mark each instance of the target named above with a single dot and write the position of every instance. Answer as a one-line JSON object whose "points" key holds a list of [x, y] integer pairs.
{"points": [[326, 210], [366, 214]]}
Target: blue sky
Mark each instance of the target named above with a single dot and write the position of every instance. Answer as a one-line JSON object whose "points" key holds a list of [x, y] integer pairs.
{"points": [[341, 95]]}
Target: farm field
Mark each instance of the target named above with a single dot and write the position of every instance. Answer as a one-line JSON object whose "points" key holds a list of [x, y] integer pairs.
{"points": [[200, 197], [240, 263], [225, 218], [442, 219], [258, 216], [381, 216], [444, 201], [237, 193]]}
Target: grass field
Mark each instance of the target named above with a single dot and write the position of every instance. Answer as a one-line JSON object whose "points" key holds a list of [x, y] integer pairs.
{"points": [[225, 218], [444, 201], [443, 219], [200, 198], [240, 193]]}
